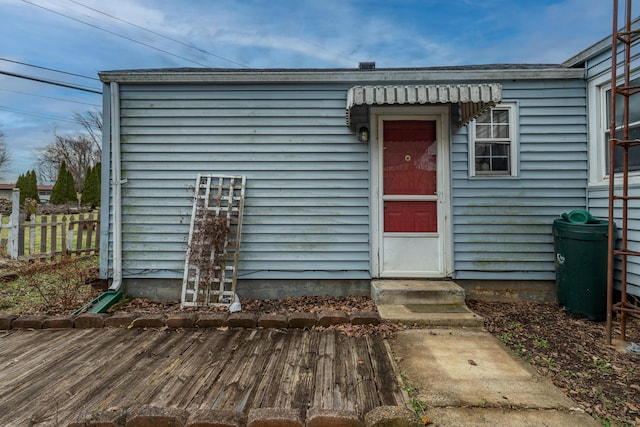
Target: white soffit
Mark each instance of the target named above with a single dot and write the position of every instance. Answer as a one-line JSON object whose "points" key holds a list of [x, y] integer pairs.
{"points": [[473, 99]]}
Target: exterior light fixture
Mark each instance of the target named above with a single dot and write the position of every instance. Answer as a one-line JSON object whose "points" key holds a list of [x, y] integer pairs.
{"points": [[363, 134]]}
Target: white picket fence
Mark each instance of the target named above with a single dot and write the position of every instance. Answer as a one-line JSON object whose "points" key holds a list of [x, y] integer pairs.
{"points": [[50, 236]]}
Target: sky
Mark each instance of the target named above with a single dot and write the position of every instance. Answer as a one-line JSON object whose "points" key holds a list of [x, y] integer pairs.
{"points": [[70, 41]]}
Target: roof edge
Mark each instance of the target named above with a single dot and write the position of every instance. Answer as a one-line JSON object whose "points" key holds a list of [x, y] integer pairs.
{"points": [[347, 76], [589, 53], [597, 48]]}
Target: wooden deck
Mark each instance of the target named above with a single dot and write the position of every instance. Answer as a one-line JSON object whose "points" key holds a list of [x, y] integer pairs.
{"points": [[50, 376]]}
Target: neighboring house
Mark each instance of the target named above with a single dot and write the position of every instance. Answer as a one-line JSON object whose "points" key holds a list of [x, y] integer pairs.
{"points": [[44, 191], [431, 193], [6, 190]]}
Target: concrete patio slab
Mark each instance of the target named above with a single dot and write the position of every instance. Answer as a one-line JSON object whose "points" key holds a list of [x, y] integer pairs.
{"points": [[467, 378]]}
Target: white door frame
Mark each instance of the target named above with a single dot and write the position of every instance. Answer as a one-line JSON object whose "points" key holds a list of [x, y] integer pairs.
{"points": [[441, 115]]}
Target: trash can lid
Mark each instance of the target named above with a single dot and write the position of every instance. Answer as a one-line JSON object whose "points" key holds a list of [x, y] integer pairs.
{"points": [[578, 216]]}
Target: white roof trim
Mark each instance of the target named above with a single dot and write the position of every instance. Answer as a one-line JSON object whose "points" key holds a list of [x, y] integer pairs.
{"points": [[487, 73], [473, 99]]}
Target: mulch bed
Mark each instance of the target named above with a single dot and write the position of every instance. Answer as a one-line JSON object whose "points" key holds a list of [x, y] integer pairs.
{"points": [[286, 306], [572, 352], [303, 304]]}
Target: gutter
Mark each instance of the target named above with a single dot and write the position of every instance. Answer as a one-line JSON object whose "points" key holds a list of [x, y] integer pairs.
{"points": [[433, 75], [116, 185], [111, 296]]}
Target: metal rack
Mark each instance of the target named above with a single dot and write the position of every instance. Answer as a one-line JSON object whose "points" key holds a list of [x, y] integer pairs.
{"points": [[621, 45]]}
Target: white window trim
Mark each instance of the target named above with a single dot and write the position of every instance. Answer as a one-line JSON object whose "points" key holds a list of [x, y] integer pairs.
{"points": [[597, 116], [513, 145]]}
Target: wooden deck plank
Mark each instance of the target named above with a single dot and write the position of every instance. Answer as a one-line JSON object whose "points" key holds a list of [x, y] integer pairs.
{"points": [[225, 382], [166, 370], [87, 391], [82, 389], [122, 390], [111, 357], [384, 372], [78, 372], [268, 384], [324, 380], [31, 349], [202, 369], [288, 381], [239, 376], [245, 380], [344, 366], [303, 393], [49, 404], [195, 361], [23, 343], [211, 380], [60, 362], [59, 405], [367, 393]]}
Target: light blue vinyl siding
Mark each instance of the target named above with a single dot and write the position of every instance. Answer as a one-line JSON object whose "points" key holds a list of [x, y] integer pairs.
{"points": [[307, 208], [502, 226], [599, 194], [307, 200], [599, 206]]}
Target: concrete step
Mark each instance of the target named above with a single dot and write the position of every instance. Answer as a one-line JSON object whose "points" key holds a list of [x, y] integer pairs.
{"points": [[430, 315], [423, 303], [416, 292]]}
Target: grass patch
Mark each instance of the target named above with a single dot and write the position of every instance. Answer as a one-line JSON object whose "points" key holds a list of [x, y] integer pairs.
{"points": [[546, 361], [37, 239], [603, 365], [46, 287], [506, 337], [418, 406], [540, 342]]}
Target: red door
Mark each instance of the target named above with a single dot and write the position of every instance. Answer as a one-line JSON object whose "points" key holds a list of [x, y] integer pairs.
{"points": [[409, 161]]}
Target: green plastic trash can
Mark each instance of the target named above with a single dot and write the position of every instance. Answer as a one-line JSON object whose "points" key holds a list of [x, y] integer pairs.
{"points": [[581, 266]]}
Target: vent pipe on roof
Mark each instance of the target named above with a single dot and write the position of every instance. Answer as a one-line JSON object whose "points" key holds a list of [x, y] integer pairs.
{"points": [[367, 65]]}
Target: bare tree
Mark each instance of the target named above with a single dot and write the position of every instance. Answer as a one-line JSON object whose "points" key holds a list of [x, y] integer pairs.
{"points": [[91, 121], [5, 159], [78, 151]]}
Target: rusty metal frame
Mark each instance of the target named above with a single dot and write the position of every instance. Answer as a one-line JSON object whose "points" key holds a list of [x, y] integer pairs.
{"points": [[626, 37]]}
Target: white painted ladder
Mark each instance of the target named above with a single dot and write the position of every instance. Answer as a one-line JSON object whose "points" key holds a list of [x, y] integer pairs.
{"points": [[211, 263]]}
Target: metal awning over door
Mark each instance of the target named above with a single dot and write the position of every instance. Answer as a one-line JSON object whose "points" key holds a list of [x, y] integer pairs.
{"points": [[473, 99]]}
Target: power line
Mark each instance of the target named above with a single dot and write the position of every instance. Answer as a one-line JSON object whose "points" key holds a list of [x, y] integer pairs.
{"points": [[116, 34], [50, 97], [190, 46], [49, 69], [51, 82], [41, 115]]}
